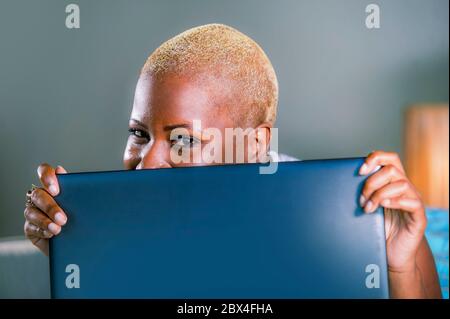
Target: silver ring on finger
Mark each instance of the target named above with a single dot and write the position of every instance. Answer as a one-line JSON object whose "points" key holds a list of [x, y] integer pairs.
{"points": [[38, 229], [28, 195]]}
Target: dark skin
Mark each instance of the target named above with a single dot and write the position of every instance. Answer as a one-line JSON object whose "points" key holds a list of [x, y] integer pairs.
{"points": [[160, 105]]}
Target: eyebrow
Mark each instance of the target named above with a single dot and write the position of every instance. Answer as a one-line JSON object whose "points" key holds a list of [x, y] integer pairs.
{"points": [[139, 123], [167, 127], [174, 126]]}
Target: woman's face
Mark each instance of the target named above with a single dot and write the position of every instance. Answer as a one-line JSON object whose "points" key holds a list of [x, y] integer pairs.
{"points": [[173, 102]]}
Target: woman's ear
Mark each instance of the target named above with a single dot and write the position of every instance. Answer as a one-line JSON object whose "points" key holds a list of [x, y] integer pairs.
{"points": [[263, 136]]}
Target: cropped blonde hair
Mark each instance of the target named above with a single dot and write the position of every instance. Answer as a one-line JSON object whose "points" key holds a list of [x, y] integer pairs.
{"points": [[222, 51]]}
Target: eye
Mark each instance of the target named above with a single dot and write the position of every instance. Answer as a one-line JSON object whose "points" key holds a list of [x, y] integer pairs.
{"points": [[186, 141], [139, 134]]}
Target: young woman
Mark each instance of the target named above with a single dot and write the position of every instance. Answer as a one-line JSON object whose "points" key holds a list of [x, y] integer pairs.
{"points": [[219, 76]]}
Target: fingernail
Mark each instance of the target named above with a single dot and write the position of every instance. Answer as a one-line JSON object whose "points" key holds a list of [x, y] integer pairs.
{"points": [[386, 202], [362, 200], [369, 207], [363, 169], [53, 190], [376, 168], [55, 229], [60, 219]]}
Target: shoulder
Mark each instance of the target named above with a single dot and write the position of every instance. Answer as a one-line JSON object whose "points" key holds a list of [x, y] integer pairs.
{"points": [[286, 158]]}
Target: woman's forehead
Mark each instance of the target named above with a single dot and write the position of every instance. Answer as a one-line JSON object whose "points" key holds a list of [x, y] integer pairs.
{"points": [[175, 98]]}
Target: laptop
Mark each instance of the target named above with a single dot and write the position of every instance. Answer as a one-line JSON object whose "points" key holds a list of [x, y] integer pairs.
{"points": [[219, 232]]}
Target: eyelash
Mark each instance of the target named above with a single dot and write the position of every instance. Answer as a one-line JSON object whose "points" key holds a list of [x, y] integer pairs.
{"points": [[144, 134], [192, 141]]}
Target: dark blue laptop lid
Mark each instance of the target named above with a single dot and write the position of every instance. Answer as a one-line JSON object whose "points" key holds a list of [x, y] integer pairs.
{"points": [[219, 232]]}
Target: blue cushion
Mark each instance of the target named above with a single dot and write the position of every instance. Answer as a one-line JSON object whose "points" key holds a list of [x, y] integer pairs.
{"points": [[437, 235]]}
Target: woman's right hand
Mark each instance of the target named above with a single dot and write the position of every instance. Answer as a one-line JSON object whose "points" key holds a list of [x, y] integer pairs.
{"points": [[43, 217]]}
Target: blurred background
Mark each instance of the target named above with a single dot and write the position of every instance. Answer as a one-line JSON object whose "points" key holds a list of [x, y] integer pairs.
{"points": [[66, 94]]}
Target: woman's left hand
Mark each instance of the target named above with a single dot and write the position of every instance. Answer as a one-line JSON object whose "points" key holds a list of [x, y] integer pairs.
{"points": [[405, 219]]}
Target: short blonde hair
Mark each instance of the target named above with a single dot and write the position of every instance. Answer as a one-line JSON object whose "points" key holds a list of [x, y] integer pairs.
{"points": [[223, 51]]}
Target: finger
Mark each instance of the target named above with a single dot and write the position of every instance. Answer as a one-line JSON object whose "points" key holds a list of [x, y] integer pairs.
{"points": [[60, 170], [413, 207], [392, 190], [384, 176], [33, 231], [48, 179], [380, 158], [39, 242], [38, 218], [42, 200]]}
